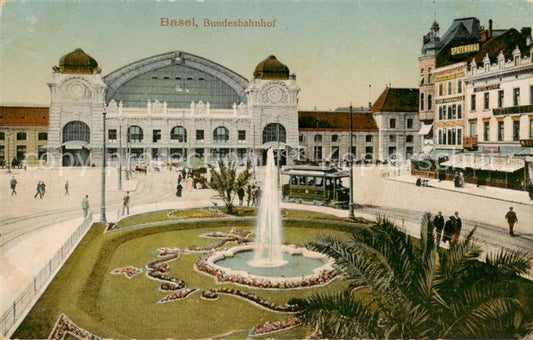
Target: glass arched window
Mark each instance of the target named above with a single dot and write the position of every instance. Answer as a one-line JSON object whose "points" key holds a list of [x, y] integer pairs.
{"points": [[178, 133], [76, 131], [135, 134], [430, 102], [318, 138], [220, 135], [274, 132], [421, 102]]}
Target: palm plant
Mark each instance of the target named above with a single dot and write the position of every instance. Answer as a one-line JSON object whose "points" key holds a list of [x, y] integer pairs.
{"points": [[227, 182], [400, 287]]}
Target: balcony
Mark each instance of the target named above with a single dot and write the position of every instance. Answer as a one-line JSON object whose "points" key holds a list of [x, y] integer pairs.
{"points": [[526, 143], [470, 143], [512, 110]]}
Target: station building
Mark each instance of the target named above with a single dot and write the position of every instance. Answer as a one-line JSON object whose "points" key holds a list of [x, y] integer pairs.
{"points": [[169, 107]]}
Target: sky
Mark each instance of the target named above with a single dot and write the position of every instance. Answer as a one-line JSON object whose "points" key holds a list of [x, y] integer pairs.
{"points": [[342, 52]]}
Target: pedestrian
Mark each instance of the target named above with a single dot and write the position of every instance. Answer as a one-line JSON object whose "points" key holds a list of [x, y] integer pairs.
{"points": [[189, 183], [85, 205], [249, 193], [179, 178], [39, 191], [511, 219], [438, 224], [126, 203], [240, 193], [457, 226], [529, 189], [179, 189], [448, 230], [43, 188], [13, 185], [66, 189]]}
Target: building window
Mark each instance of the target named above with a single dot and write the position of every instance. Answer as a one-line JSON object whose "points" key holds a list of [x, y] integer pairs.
{"points": [[454, 111], [135, 134], [2, 136], [430, 102], [473, 102], [392, 123], [450, 112], [408, 152], [459, 136], [459, 111], [516, 96], [409, 138], [440, 89], [318, 138], [112, 134], [485, 101], [220, 135], [368, 138], [486, 131], [178, 133], [76, 131], [392, 139], [516, 130], [421, 102], [42, 136], [459, 86], [421, 76], [274, 132], [473, 129], [392, 152], [178, 154], [449, 88], [441, 138], [429, 75], [500, 131], [301, 138], [242, 135], [21, 152], [199, 134], [317, 152], [369, 152], [531, 128], [334, 138], [440, 113], [500, 98], [334, 152], [156, 136], [409, 123], [2, 152], [199, 152], [531, 95], [21, 135]]}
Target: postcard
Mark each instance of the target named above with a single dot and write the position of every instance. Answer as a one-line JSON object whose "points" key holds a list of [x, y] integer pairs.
{"points": [[270, 169]]}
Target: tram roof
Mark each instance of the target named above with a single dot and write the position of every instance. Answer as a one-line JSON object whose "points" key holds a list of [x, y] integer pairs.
{"points": [[310, 170]]}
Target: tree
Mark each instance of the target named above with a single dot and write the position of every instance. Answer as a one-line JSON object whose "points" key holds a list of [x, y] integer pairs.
{"points": [[227, 182], [400, 287]]}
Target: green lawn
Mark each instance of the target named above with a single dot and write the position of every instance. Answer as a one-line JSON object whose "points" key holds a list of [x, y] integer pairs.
{"points": [[113, 306]]}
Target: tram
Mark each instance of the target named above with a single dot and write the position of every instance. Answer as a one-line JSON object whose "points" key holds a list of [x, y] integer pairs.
{"points": [[316, 185]]}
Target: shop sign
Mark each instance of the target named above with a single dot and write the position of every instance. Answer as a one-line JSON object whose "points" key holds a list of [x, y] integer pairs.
{"points": [[491, 149], [464, 49], [450, 77], [487, 88], [449, 100]]}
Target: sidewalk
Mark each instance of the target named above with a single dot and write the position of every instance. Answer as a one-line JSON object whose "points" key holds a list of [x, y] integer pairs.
{"points": [[501, 194]]}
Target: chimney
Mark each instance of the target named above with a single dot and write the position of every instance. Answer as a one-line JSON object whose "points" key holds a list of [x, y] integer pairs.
{"points": [[490, 28]]}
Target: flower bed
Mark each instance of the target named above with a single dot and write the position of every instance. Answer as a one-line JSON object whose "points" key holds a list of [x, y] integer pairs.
{"points": [[252, 298], [64, 327], [128, 271], [275, 326], [181, 294]]}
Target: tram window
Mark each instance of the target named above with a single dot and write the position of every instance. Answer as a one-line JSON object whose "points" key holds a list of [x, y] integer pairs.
{"points": [[294, 180], [337, 183], [301, 180], [310, 181], [319, 181], [328, 182]]}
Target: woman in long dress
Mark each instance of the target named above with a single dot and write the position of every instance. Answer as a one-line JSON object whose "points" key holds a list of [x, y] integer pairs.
{"points": [[189, 183]]}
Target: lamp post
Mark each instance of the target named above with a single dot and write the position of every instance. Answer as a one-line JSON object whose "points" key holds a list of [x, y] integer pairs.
{"points": [[6, 157], [120, 155], [350, 163], [128, 153], [102, 182]]}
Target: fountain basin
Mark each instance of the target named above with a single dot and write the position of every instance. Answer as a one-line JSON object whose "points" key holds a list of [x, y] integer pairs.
{"points": [[303, 268]]}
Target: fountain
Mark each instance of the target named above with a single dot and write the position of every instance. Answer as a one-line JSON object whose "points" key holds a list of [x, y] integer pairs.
{"points": [[268, 233], [268, 263]]}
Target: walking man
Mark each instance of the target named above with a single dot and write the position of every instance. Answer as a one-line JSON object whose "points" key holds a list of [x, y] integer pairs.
{"points": [[511, 219], [66, 189], [85, 205], [13, 184], [39, 192], [438, 224], [457, 225], [240, 193], [43, 188], [126, 203]]}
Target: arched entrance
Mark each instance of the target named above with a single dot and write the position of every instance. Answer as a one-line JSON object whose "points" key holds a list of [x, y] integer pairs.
{"points": [[275, 136], [76, 137]]}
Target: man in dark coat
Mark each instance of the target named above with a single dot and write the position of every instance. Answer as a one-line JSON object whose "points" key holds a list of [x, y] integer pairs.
{"points": [[511, 219], [438, 224], [179, 189], [13, 184], [457, 226], [240, 193]]}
